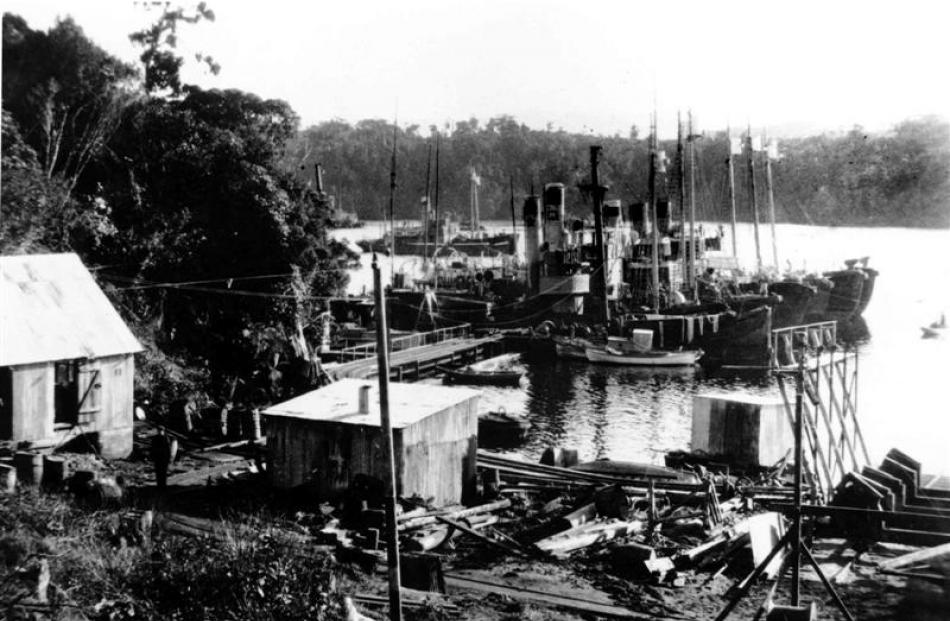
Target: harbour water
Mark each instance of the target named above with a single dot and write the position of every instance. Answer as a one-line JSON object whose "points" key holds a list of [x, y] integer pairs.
{"points": [[640, 414]]}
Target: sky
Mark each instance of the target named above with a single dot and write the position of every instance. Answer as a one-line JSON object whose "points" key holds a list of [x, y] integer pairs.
{"points": [[592, 66]]}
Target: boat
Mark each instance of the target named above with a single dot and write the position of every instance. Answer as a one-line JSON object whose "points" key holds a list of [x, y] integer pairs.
{"points": [[571, 348], [651, 358], [499, 428], [504, 370], [935, 330]]}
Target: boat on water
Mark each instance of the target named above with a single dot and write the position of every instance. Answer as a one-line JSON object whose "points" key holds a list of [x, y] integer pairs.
{"points": [[499, 428], [937, 329], [652, 358], [504, 370]]}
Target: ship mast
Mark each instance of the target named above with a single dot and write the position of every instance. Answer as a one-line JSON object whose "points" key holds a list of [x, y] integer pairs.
{"points": [[438, 223], [755, 206], [656, 236], [732, 189], [768, 188], [392, 216], [691, 143], [681, 181], [425, 218]]}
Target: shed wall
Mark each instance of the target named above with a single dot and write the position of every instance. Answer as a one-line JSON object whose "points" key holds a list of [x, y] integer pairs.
{"points": [[33, 409], [435, 457]]}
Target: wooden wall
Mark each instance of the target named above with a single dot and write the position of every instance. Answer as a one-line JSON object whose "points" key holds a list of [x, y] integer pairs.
{"points": [[435, 457], [33, 413]]}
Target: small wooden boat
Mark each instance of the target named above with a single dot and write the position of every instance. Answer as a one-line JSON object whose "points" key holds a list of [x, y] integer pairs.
{"points": [[651, 358], [498, 371], [499, 428], [571, 348]]}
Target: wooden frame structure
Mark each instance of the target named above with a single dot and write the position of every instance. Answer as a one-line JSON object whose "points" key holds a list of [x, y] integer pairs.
{"points": [[834, 443]]}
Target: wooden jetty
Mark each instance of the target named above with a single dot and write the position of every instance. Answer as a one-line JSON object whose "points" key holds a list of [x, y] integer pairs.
{"points": [[417, 362]]}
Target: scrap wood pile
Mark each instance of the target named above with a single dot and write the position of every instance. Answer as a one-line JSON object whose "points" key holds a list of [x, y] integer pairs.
{"points": [[651, 528]]}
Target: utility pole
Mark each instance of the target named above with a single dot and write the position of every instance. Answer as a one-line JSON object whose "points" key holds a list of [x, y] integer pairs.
{"points": [[382, 358]]}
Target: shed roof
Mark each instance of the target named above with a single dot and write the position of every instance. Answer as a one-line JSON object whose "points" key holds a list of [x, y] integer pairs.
{"points": [[339, 403], [742, 397], [52, 309]]}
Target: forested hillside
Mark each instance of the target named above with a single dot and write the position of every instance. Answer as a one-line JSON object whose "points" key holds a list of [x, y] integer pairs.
{"points": [[899, 178]]}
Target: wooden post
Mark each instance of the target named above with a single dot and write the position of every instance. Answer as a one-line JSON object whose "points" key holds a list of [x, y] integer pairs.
{"points": [[797, 517], [382, 356], [812, 439]]}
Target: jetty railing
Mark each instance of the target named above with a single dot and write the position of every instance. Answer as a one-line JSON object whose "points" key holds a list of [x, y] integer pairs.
{"points": [[408, 341], [788, 343]]}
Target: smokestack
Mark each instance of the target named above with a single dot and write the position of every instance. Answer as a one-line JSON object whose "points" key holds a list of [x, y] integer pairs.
{"points": [[533, 238], [640, 219], [553, 214], [364, 399]]}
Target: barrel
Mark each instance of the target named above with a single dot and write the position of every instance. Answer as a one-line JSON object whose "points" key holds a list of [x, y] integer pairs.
{"points": [[55, 471], [29, 467], [7, 479]]}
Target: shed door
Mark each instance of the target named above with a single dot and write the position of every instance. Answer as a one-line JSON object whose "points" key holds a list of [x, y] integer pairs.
{"points": [[64, 397], [6, 403]]}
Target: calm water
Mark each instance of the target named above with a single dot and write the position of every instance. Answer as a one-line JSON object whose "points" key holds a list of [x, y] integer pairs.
{"points": [[637, 414]]}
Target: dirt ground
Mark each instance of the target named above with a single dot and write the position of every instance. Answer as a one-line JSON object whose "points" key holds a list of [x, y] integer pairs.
{"points": [[210, 484]]}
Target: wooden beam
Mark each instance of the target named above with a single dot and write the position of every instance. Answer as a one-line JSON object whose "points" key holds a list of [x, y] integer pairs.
{"points": [[935, 553], [559, 600]]}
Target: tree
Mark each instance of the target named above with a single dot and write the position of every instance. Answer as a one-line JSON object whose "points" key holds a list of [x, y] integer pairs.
{"points": [[64, 97]]}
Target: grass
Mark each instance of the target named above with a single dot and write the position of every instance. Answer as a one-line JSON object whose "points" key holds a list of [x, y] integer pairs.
{"points": [[102, 566]]}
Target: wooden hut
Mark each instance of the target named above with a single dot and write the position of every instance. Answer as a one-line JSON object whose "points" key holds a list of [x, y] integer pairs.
{"points": [[326, 437], [66, 357]]}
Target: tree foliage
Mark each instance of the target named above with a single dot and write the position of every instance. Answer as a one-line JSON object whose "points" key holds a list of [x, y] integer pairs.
{"points": [[163, 188], [901, 177]]}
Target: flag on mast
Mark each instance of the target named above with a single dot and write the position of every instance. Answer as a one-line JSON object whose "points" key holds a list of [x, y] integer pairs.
{"points": [[772, 149], [735, 145]]}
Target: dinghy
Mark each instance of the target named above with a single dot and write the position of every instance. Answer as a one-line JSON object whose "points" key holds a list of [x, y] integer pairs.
{"points": [[651, 358]]}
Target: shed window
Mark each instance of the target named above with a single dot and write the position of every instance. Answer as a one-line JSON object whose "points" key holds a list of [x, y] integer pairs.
{"points": [[90, 389]]}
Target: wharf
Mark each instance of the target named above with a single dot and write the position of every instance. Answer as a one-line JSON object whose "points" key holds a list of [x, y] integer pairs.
{"points": [[418, 362]]}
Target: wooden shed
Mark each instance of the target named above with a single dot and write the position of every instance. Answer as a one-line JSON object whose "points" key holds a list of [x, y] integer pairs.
{"points": [[66, 357], [327, 436], [752, 430]]}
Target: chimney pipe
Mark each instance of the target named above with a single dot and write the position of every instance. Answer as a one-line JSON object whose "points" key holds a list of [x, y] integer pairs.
{"points": [[364, 399]]}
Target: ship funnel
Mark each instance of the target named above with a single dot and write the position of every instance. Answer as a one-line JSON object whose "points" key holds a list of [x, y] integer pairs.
{"points": [[640, 218]]}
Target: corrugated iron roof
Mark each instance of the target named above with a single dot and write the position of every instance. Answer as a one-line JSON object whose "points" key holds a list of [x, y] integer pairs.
{"points": [[339, 403], [52, 309]]}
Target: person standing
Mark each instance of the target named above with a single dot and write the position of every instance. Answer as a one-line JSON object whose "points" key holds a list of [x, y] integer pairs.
{"points": [[161, 456]]}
